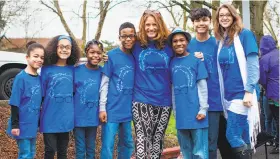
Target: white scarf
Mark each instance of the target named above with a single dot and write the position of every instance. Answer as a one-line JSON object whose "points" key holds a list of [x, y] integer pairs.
{"points": [[253, 112]]}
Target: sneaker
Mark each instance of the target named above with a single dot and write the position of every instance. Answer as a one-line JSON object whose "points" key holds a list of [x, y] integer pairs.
{"points": [[275, 150]]}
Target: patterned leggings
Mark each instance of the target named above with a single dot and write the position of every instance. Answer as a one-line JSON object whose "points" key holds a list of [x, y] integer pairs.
{"points": [[150, 123]]}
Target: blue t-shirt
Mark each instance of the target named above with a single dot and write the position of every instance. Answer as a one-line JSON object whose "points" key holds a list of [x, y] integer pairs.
{"points": [[186, 71], [152, 77], [57, 113], [86, 98], [234, 88], [120, 70], [209, 50], [27, 96]]}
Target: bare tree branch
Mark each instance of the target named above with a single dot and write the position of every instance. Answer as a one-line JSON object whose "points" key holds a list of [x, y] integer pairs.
{"points": [[48, 6], [181, 5]]}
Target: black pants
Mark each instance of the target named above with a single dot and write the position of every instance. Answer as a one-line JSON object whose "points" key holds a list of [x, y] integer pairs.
{"points": [[56, 142], [275, 114], [223, 144]]}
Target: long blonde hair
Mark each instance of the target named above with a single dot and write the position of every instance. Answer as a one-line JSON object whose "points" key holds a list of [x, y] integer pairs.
{"points": [[162, 34], [235, 27]]}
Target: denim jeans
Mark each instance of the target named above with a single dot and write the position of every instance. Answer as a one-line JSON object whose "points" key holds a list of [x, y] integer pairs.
{"points": [[237, 130], [193, 143], [213, 132], [27, 148], [270, 126], [125, 144], [85, 142]]}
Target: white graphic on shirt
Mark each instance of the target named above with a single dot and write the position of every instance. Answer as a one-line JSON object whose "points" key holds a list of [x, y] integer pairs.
{"points": [[124, 71], [147, 52], [209, 62], [60, 79], [187, 72], [35, 90], [230, 58], [85, 90]]}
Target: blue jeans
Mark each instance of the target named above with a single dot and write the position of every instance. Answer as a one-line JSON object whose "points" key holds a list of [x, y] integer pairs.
{"points": [[85, 142], [213, 132], [27, 148], [268, 119], [193, 143], [237, 130], [125, 144]]}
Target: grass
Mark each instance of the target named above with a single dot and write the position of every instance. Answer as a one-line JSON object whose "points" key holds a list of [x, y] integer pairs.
{"points": [[171, 128]]}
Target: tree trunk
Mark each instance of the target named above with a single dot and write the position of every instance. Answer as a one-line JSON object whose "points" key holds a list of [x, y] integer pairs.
{"points": [[84, 19], [195, 5], [63, 21], [257, 10], [238, 5], [216, 4], [103, 12]]}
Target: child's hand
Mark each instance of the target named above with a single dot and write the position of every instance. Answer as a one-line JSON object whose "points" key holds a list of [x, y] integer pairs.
{"points": [[103, 116], [247, 100], [200, 116], [105, 58], [15, 132], [199, 55]]}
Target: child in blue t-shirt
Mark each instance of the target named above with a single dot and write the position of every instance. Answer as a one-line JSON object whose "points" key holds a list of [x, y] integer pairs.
{"points": [[116, 96], [25, 103], [188, 75], [87, 80], [57, 115]]}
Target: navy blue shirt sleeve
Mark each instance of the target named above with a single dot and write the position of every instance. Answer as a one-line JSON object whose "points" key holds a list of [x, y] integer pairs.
{"points": [[108, 67], [249, 42], [201, 70], [17, 92]]}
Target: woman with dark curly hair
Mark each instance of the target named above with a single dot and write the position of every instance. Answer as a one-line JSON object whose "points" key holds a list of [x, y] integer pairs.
{"points": [[57, 114]]}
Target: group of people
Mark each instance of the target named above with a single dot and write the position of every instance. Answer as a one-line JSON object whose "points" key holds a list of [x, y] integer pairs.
{"points": [[203, 79]]}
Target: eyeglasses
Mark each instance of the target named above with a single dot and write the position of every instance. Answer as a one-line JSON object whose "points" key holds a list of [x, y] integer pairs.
{"points": [[155, 12], [124, 37], [156, 71], [91, 104], [127, 91], [182, 90], [224, 15], [67, 99], [67, 47]]}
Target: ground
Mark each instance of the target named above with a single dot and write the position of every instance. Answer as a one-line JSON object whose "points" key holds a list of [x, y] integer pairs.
{"points": [[8, 147]]}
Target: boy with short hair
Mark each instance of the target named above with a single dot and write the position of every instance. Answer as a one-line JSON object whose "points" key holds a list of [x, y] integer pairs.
{"points": [[116, 95], [206, 44], [188, 75]]}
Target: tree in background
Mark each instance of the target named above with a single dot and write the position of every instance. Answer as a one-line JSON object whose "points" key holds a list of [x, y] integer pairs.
{"points": [[103, 8]]}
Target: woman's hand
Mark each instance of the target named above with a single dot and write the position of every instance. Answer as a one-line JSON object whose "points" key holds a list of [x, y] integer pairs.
{"points": [[247, 100], [15, 132], [199, 55]]}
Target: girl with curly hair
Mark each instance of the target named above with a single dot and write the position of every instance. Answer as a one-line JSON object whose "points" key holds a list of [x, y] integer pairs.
{"points": [[57, 114], [238, 70], [87, 79], [152, 88]]}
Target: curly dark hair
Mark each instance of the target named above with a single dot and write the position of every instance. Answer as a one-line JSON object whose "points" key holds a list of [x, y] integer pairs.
{"points": [[51, 52]]}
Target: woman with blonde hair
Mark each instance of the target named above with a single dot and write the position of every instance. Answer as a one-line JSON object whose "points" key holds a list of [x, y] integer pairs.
{"points": [[152, 89], [238, 69]]}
